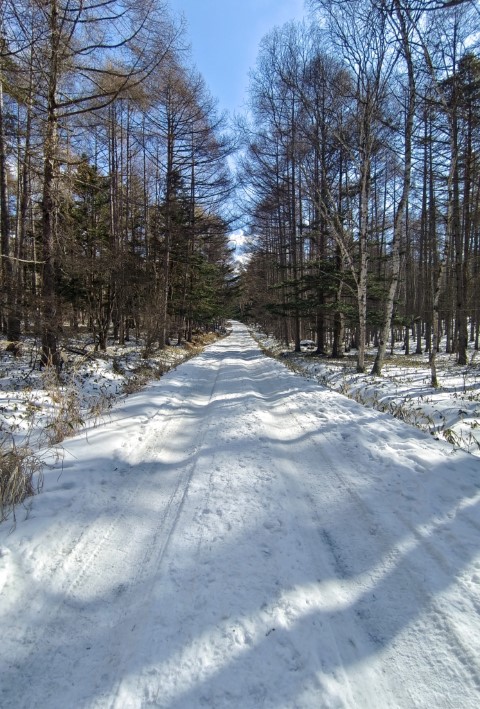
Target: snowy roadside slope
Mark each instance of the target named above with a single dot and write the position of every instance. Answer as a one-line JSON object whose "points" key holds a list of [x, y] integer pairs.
{"points": [[236, 536]]}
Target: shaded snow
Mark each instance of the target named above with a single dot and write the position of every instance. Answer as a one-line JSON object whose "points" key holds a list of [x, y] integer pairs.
{"points": [[34, 401], [238, 536], [451, 411]]}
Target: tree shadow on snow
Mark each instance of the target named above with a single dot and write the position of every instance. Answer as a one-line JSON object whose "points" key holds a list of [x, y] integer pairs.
{"points": [[340, 551]]}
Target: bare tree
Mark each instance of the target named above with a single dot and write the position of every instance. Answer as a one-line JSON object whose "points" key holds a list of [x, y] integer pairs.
{"points": [[83, 57], [402, 30], [358, 31]]}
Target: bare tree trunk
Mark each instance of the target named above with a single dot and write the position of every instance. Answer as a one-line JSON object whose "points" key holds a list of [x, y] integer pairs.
{"points": [[49, 304], [50, 313], [363, 269], [24, 190], [440, 277], [163, 338], [12, 317], [338, 347], [402, 205]]}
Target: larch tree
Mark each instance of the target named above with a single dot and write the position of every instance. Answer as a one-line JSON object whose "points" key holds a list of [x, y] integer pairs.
{"points": [[358, 31], [83, 56], [402, 30]]}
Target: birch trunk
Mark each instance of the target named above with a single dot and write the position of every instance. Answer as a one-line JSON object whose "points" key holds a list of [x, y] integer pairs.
{"points": [[402, 205]]}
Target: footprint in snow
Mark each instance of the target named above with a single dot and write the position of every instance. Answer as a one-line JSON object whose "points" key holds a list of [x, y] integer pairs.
{"points": [[273, 525]]}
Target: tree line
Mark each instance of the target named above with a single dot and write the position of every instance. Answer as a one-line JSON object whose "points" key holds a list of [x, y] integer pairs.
{"points": [[361, 175], [113, 177]]}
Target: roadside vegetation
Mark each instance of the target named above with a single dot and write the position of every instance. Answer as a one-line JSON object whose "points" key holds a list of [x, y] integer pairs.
{"points": [[450, 411], [361, 175], [40, 408]]}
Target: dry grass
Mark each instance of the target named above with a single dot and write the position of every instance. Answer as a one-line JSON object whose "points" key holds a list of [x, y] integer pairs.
{"points": [[142, 375], [20, 468], [66, 416], [20, 476]]}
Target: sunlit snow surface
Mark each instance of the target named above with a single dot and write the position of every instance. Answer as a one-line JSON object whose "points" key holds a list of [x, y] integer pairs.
{"points": [[238, 536], [451, 411]]}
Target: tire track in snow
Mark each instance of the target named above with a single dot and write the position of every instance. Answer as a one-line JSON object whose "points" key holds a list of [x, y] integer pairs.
{"points": [[103, 550], [249, 563], [391, 553], [157, 548], [268, 496], [328, 594]]}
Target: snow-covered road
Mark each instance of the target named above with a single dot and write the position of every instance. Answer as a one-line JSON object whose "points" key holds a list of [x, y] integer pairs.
{"points": [[235, 536]]}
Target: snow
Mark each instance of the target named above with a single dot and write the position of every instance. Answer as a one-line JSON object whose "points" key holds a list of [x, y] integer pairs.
{"points": [[238, 536], [35, 406], [451, 411]]}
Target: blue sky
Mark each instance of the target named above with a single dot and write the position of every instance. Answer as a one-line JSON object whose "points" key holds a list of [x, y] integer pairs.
{"points": [[224, 36]]}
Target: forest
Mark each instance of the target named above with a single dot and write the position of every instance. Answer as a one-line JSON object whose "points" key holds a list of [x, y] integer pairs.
{"points": [[355, 171], [361, 169], [113, 177]]}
